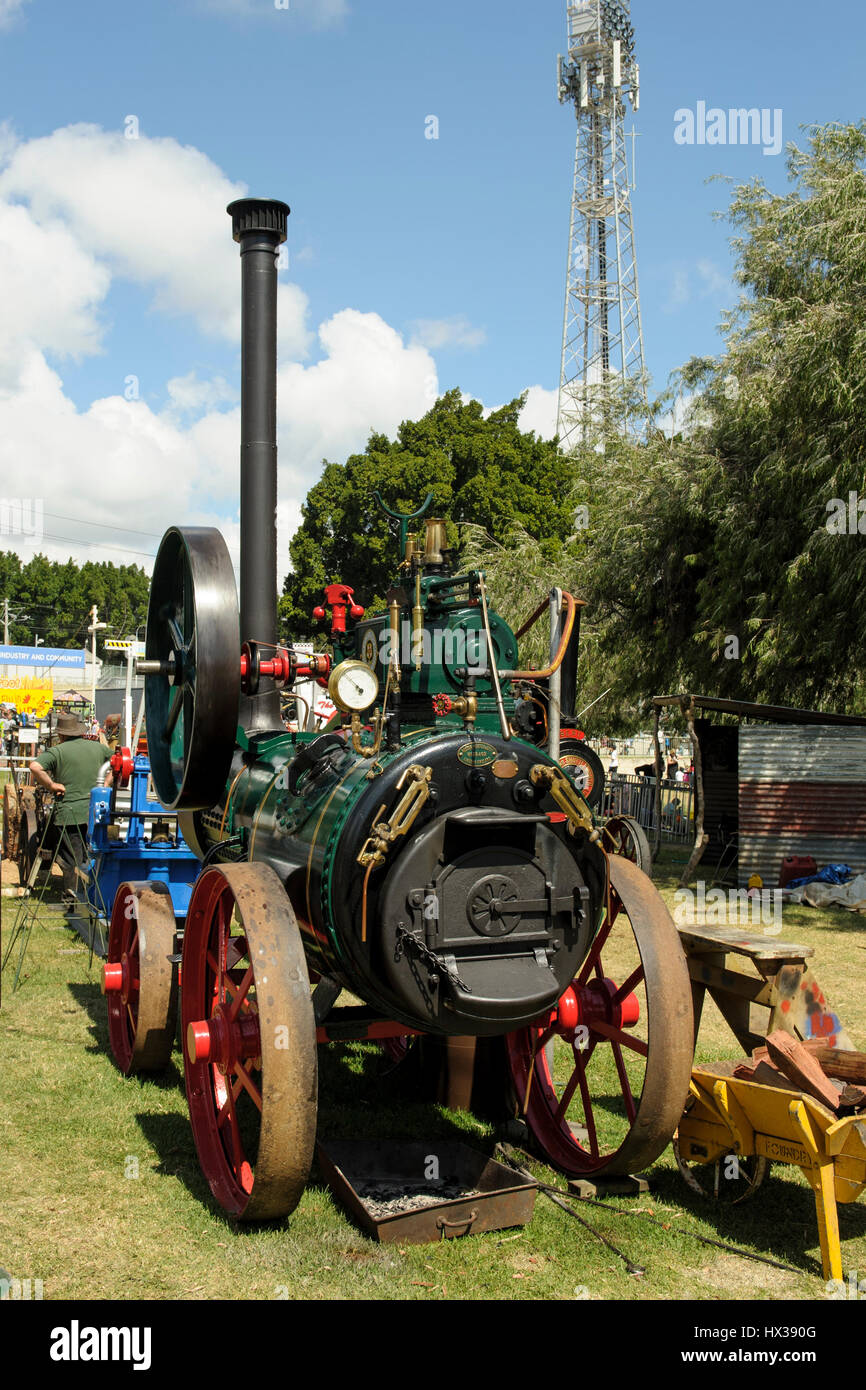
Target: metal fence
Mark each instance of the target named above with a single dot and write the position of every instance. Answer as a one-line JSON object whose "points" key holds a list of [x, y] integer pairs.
{"points": [[636, 796]]}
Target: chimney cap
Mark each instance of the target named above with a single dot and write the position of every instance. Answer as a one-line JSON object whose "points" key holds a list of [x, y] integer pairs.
{"points": [[259, 216]]}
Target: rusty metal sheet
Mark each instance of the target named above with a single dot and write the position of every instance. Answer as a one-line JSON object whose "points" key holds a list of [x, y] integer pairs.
{"points": [[832, 808], [798, 753], [802, 790]]}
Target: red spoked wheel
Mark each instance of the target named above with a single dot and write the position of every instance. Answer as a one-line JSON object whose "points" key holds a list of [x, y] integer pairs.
{"points": [[139, 980], [602, 1083], [625, 836], [249, 1041]]}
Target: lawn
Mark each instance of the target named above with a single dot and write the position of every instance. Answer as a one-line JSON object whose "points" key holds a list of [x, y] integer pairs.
{"points": [[103, 1198]]}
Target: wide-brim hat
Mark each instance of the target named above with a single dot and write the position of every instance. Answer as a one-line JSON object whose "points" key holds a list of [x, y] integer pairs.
{"points": [[70, 727]]}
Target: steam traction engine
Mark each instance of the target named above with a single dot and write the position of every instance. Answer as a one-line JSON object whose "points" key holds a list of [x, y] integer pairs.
{"points": [[425, 852]]}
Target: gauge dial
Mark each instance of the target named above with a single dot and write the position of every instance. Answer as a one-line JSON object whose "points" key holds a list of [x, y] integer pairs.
{"points": [[353, 686]]}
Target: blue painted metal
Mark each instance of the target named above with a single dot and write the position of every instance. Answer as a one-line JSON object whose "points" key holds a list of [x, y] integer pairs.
{"points": [[132, 856]]}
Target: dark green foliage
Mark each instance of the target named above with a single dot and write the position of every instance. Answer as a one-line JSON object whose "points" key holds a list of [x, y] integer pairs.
{"points": [[53, 599], [482, 470]]}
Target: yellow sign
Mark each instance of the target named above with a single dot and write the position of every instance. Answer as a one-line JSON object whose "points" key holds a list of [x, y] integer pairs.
{"points": [[26, 693]]}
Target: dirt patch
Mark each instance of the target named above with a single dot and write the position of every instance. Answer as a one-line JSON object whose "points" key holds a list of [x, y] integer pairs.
{"points": [[735, 1277]]}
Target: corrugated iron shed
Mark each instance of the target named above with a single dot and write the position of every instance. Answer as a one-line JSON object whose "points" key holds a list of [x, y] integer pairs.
{"points": [[801, 784], [802, 791]]}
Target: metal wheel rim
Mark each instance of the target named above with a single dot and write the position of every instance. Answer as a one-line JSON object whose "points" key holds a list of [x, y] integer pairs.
{"points": [[28, 843], [707, 1179], [577, 750], [669, 1046], [11, 817], [625, 836], [142, 1019], [192, 715], [256, 1164]]}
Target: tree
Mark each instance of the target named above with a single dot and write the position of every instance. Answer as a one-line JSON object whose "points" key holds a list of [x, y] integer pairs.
{"points": [[482, 470], [787, 423], [731, 560], [52, 599]]}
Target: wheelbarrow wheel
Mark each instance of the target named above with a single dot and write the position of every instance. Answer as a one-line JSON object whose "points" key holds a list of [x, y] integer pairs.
{"points": [[730, 1179]]}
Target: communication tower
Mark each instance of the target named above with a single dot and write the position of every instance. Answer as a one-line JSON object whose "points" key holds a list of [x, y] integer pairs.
{"points": [[602, 338]]}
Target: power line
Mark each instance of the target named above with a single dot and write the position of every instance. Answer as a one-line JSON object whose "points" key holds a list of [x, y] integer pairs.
{"points": [[104, 545], [104, 525]]}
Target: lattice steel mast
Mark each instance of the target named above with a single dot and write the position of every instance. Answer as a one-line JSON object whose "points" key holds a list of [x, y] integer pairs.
{"points": [[602, 337]]}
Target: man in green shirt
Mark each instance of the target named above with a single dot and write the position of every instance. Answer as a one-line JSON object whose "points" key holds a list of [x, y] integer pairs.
{"points": [[71, 770]]}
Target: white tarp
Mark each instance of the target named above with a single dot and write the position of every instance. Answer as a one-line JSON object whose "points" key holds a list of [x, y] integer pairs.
{"points": [[851, 895]]}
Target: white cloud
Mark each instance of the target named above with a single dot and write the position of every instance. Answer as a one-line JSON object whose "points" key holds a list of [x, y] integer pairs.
{"points": [[154, 211], [702, 280], [455, 332], [83, 208], [90, 208], [714, 281], [320, 13], [367, 380], [540, 412], [9, 10], [188, 394], [51, 288]]}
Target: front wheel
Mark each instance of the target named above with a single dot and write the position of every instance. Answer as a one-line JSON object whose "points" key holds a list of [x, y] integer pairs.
{"points": [[249, 1041]]}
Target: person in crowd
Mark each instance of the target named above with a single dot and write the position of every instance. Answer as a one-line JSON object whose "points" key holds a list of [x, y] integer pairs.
{"points": [[11, 737], [111, 731], [69, 771]]}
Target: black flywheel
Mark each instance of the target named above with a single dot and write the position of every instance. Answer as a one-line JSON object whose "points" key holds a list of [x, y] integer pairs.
{"points": [[192, 668]]}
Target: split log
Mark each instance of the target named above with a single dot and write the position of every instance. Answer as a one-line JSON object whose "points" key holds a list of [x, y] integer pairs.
{"points": [[795, 1062], [847, 1066]]}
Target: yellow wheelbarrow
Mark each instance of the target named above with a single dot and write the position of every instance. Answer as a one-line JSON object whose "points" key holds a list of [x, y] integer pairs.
{"points": [[747, 1120]]}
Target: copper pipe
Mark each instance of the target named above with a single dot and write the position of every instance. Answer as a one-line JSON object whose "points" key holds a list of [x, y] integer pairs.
{"points": [[571, 605]]}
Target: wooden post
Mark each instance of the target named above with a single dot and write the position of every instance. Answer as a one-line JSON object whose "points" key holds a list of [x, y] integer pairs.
{"points": [[701, 839], [658, 794]]}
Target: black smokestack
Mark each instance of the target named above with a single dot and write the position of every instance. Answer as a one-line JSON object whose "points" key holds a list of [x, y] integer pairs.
{"points": [[259, 225]]}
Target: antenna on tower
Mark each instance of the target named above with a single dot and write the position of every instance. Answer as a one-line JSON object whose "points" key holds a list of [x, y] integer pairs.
{"points": [[602, 336]]}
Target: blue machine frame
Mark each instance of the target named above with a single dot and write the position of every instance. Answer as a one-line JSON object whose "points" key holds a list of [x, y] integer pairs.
{"points": [[132, 857]]}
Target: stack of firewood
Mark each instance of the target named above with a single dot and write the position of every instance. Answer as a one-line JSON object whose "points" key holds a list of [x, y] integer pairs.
{"points": [[837, 1079]]}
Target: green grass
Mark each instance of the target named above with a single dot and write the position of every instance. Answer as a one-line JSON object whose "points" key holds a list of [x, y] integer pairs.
{"points": [[73, 1132]]}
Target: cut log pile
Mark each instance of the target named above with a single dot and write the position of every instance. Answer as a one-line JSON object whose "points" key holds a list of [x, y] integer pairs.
{"points": [[836, 1079]]}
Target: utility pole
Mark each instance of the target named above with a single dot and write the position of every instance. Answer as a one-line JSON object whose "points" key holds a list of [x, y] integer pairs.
{"points": [[93, 629]]}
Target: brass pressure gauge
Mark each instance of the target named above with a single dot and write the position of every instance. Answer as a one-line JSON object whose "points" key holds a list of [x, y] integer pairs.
{"points": [[353, 686]]}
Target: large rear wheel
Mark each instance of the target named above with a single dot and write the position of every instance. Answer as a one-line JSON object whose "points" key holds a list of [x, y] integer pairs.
{"points": [[602, 1082]]}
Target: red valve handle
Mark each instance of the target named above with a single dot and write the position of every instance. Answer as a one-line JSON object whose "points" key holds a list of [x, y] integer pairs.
{"points": [[121, 764], [341, 600], [442, 704]]}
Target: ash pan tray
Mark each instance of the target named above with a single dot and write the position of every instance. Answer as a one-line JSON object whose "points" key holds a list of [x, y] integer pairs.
{"points": [[424, 1191]]}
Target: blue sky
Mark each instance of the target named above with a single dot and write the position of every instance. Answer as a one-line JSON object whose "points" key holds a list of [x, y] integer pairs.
{"points": [[449, 252]]}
